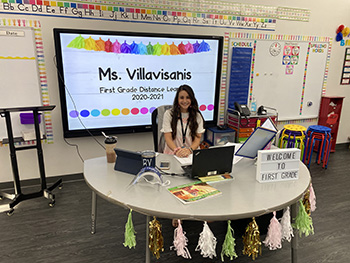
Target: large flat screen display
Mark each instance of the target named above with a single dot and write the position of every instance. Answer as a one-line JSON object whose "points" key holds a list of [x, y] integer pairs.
{"points": [[112, 81]]}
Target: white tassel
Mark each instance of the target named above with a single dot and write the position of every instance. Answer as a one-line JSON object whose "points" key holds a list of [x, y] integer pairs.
{"points": [[287, 230], [180, 242], [207, 242]]}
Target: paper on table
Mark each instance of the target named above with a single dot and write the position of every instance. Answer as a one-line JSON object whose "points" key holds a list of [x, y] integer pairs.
{"points": [[268, 124], [184, 160]]}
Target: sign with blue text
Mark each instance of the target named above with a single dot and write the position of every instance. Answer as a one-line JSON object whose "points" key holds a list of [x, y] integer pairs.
{"points": [[278, 165]]}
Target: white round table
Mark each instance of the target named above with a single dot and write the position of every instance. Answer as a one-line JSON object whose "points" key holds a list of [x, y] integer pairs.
{"points": [[242, 197]]}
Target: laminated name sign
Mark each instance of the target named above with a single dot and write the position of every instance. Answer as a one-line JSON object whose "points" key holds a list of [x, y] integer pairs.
{"points": [[278, 165]]}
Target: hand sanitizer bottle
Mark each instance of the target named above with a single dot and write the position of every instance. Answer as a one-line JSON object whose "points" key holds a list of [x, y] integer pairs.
{"points": [[253, 106]]}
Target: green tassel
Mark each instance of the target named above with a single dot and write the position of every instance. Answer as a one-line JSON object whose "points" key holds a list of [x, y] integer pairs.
{"points": [[303, 222], [130, 238], [77, 42], [228, 247]]}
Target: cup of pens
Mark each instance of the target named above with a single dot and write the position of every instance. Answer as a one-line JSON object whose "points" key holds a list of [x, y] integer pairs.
{"points": [[148, 158]]}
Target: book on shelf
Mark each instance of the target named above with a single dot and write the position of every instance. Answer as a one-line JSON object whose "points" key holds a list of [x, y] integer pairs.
{"points": [[192, 192]]}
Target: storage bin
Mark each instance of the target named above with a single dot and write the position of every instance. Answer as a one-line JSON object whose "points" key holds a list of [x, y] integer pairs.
{"points": [[28, 118], [219, 137]]}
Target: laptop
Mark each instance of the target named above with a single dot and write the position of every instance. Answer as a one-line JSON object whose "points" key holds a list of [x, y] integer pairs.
{"points": [[211, 161], [128, 161]]}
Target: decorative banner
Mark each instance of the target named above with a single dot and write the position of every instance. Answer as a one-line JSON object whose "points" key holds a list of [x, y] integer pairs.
{"points": [[223, 80], [345, 76], [137, 14], [304, 79], [189, 8], [293, 14]]}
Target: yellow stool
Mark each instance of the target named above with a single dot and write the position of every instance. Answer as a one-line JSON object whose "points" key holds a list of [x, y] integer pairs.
{"points": [[292, 136]]}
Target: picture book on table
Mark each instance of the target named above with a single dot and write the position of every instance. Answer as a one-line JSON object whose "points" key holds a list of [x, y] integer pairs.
{"points": [[192, 192]]}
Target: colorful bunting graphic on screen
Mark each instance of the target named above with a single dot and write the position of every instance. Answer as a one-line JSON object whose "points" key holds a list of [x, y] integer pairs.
{"points": [[158, 49]]}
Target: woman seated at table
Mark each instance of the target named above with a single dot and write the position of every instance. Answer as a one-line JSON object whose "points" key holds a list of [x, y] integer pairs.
{"points": [[183, 125]]}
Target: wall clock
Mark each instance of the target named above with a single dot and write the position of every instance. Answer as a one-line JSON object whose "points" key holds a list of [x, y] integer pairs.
{"points": [[275, 49]]}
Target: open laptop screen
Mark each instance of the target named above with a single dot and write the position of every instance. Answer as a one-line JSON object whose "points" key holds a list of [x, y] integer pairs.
{"points": [[212, 161]]}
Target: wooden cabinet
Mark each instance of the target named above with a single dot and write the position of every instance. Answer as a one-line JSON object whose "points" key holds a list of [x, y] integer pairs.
{"points": [[329, 115]]}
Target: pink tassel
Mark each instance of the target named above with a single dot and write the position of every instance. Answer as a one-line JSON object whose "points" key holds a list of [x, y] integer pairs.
{"points": [[273, 238], [180, 242], [312, 198]]}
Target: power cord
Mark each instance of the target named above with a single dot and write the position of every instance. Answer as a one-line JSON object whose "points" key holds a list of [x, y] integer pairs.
{"points": [[76, 147], [75, 108], [165, 173]]}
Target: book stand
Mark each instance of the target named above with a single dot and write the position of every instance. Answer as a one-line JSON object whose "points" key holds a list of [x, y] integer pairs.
{"points": [[45, 191]]}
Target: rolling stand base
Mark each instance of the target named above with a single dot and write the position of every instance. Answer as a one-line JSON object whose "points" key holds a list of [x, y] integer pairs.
{"points": [[17, 198]]}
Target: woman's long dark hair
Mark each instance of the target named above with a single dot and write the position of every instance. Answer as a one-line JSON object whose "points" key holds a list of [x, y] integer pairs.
{"points": [[192, 110]]}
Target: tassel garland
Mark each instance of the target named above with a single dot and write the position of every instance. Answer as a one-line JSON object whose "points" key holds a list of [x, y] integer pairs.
{"points": [[207, 242], [251, 240], [312, 198], [129, 235], [155, 238], [306, 202], [228, 247], [273, 238], [180, 242], [287, 230], [303, 222]]}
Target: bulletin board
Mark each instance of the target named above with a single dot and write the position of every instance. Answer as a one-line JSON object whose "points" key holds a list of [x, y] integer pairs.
{"points": [[22, 73], [288, 73]]}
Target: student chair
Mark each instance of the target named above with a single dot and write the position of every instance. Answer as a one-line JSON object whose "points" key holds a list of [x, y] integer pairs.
{"points": [[318, 139], [157, 123], [293, 136]]}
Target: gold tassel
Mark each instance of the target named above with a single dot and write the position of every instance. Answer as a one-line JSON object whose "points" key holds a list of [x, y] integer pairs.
{"points": [[155, 238], [306, 202], [251, 240]]}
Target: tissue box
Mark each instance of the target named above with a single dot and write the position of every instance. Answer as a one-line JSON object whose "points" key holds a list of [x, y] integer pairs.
{"points": [[219, 137], [29, 135]]}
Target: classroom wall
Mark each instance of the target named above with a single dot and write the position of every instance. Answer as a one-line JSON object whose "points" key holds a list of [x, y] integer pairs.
{"points": [[62, 159]]}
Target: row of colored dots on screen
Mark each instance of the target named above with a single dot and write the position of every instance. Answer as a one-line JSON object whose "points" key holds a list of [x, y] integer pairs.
{"points": [[115, 112]]}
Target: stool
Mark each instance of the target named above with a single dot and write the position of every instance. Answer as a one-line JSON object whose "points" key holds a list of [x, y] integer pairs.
{"points": [[292, 136], [319, 136]]}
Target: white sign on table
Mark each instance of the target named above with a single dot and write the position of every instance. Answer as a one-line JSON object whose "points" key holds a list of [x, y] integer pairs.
{"points": [[278, 165]]}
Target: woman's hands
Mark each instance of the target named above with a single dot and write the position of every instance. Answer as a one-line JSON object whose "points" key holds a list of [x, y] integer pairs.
{"points": [[182, 152]]}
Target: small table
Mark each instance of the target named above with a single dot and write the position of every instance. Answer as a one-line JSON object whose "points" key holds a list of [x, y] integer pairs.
{"points": [[243, 197]]}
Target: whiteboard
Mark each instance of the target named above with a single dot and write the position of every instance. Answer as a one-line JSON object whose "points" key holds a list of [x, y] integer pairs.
{"points": [[19, 74], [287, 75]]}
